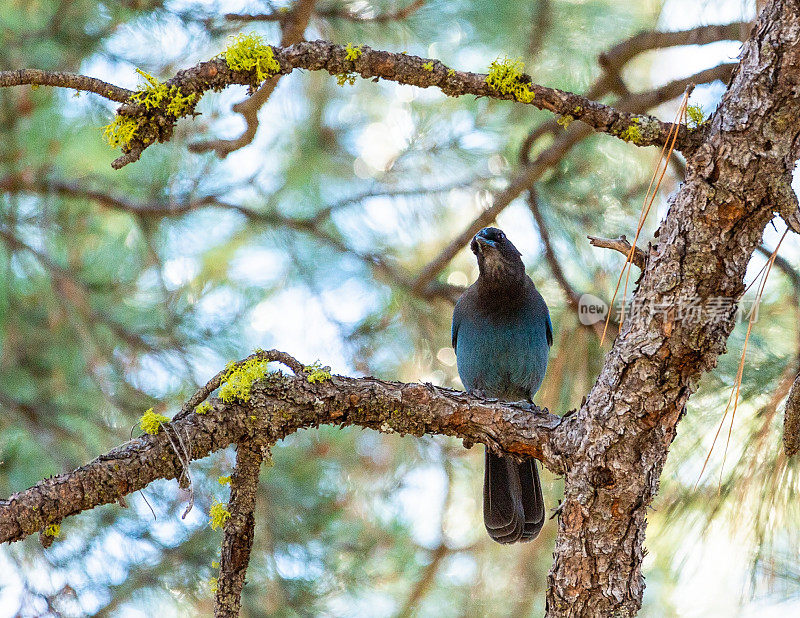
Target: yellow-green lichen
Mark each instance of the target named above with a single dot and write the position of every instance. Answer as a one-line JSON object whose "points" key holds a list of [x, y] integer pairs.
{"points": [[248, 52], [215, 564], [218, 515], [317, 373], [451, 72], [120, 131], [632, 133], [203, 408], [180, 104], [353, 53], [53, 530], [565, 121], [238, 380], [213, 584], [428, 66], [507, 76], [152, 94], [151, 422], [224, 480], [695, 116], [346, 78]]}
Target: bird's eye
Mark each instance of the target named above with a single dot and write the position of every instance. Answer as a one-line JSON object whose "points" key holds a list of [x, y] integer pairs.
{"points": [[500, 236]]}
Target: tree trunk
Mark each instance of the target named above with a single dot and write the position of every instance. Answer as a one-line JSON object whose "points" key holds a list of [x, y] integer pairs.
{"points": [[620, 437]]}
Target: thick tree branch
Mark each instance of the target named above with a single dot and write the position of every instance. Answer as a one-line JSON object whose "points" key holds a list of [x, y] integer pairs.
{"points": [[791, 420], [705, 243], [370, 64], [240, 528], [279, 406]]}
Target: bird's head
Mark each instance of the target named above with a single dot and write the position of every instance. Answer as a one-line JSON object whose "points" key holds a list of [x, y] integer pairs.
{"points": [[495, 252]]}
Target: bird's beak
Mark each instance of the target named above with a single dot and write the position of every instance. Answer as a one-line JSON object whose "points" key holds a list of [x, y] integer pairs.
{"points": [[483, 242]]}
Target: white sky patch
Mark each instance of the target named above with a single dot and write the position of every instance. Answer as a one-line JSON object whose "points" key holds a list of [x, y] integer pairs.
{"points": [[685, 14], [446, 356], [381, 142], [458, 277], [179, 271], [294, 320], [257, 265], [11, 588], [347, 303], [422, 499]]}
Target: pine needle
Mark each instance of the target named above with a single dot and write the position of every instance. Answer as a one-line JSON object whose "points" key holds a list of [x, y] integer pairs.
{"points": [[734, 396], [650, 196]]}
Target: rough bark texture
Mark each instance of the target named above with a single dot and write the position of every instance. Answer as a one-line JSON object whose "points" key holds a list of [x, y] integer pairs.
{"points": [[623, 431], [278, 407], [240, 528], [791, 420], [369, 64]]}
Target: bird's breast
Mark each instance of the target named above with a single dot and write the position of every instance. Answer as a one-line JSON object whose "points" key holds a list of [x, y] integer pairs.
{"points": [[505, 358]]}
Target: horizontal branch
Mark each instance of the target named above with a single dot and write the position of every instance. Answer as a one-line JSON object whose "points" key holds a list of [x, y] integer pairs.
{"points": [[426, 72], [643, 130], [280, 405], [36, 77]]}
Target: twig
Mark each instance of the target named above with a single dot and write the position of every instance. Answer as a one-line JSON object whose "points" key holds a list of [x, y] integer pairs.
{"points": [[549, 253], [619, 55], [36, 77], [573, 297], [622, 245]]}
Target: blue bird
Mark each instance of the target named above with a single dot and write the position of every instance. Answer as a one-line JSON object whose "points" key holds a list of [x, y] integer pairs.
{"points": [[502, 336]]}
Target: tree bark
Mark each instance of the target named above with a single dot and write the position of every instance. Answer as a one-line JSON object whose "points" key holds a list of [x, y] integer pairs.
{"points": [[622, 433]]}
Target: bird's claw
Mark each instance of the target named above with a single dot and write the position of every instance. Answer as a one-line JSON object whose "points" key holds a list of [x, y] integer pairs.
{"points": [[476, 392], [522, 403]]}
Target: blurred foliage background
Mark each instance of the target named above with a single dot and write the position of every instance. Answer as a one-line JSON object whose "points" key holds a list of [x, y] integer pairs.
{"points": [[121, 291]]}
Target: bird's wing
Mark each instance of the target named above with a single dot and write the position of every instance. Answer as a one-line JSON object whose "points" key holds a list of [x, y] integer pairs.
{"points": [[549, 329], [458, 314]]}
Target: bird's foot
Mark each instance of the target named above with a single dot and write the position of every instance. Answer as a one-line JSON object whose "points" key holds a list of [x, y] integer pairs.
{"points": [[522, 403], [476, 392], [557, 511]]}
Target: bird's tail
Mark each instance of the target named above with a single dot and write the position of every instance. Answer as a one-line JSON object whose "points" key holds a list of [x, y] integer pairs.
{"points": [[513, 508]]}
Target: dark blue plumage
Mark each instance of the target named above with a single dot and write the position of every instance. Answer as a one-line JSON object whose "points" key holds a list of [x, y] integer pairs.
{"points": [[502, 336]]}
